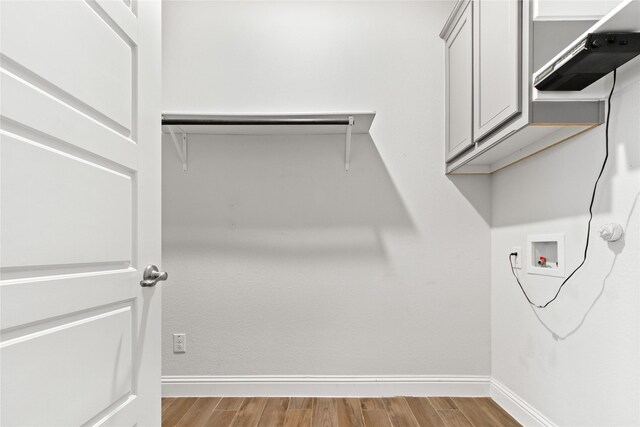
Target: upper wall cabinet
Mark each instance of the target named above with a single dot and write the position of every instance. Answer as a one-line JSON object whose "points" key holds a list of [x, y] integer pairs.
{"points": [[496, 59], [458, 60], [508, 123], [567, 10]]}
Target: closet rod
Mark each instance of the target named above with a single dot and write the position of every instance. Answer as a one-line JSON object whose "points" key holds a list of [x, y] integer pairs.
{"points": [[264, 121]]}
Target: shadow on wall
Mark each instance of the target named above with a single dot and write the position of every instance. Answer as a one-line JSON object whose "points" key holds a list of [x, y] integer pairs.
{"points": [[280, 195], [521, 198], [562, 188], [626, 112], [473, 189], [558, 182], [615, 247]]}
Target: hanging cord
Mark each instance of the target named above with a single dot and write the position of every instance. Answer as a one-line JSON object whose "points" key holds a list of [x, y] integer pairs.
{"points": [[593, 197]]}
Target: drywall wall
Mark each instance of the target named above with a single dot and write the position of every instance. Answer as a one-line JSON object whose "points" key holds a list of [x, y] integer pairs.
{"points": [[576, 362], [281, 263]]}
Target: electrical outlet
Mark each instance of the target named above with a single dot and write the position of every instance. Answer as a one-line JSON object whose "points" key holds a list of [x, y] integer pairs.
{"points": [[179, 343], [517, 260]]}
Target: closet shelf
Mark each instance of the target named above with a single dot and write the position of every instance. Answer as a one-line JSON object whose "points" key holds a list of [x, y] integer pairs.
{"points": [[346, 123]]}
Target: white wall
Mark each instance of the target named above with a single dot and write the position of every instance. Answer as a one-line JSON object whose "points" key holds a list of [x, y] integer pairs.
{"points": [[280, 262], [577, 362]]}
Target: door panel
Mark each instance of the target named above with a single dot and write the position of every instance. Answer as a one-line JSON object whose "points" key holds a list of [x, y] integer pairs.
{"points": [[497, 61], [84, 58], [92, 354], [43, 112], [79, 152], [93, 219], [34, 299], [459, 66]]}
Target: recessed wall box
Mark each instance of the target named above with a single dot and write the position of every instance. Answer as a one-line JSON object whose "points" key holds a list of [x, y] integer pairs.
{"points": [[589, 60], [546, 254]]}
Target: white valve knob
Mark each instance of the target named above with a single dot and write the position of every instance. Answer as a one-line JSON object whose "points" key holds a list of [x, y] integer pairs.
{"points": [[611, 232]]}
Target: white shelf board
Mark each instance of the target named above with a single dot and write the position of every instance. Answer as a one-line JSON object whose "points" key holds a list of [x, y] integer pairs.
{"points": [[362, 123], [624, 17]]}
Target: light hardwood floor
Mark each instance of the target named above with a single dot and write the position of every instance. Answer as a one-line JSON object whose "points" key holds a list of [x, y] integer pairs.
{"points": [[334, 412]]}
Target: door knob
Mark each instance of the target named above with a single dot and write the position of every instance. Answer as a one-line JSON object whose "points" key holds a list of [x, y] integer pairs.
{"points": [[152, 276]]}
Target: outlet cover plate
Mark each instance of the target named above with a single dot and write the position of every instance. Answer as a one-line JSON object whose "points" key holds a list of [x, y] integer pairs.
{"points": [[179, 343], [517, 261]]}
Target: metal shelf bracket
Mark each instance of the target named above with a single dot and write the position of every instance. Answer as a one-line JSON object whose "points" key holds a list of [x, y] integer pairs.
{"points": [[347, 145], [181, 149]]}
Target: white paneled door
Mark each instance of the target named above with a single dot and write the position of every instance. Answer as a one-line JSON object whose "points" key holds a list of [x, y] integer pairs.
{"points": [[80, 212]]}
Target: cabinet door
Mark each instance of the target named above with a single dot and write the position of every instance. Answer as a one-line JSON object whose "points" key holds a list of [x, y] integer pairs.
{"points": [[459, 75], [570, 10], [496, 62]]}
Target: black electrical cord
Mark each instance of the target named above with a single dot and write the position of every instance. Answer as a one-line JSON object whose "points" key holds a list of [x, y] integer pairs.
{"points": [[593, 197]]}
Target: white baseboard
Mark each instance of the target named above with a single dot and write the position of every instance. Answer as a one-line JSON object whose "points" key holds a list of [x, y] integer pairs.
{"points": [[328, 385], [524, 413]]}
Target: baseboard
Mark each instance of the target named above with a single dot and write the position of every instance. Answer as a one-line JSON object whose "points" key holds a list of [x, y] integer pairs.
{"points": [[328, 385], [524, 413]]}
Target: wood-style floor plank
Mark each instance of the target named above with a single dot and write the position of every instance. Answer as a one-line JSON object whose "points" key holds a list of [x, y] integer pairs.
{"points": [[376, 418], [325, 413], [349, 413], [371, 404], [399, 412], [301, 403], [442, 403], [174, 413], [230, 404], [166, 402], [220, 419], [424, 412], [250, 412], [453, 418], [298, 418], [480, 413], [199, 413], [275, 412], [474, 412], [500, 413]]}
